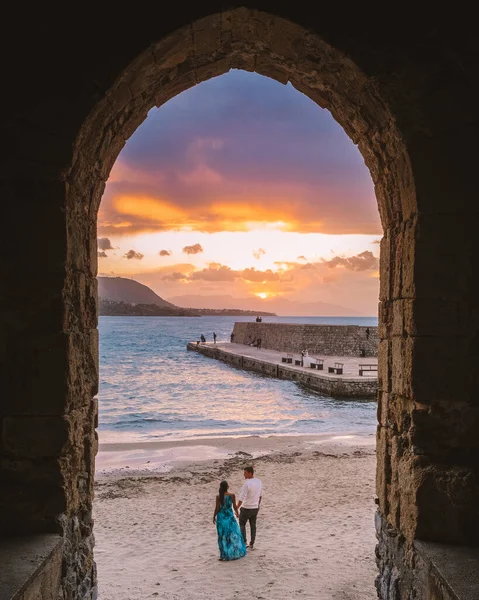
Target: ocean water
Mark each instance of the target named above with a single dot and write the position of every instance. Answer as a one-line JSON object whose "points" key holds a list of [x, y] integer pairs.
{"points": [[153, 389]]}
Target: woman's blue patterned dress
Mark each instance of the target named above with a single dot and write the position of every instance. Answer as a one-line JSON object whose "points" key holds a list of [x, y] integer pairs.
{"points": [[230, 540]]}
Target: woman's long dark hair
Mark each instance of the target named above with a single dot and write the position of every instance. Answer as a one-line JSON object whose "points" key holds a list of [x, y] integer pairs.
{"points": [[223, 490]]}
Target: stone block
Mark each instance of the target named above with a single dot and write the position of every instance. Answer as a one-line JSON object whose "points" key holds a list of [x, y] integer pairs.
{"points": [[382, 408], [35, 437], [245, 26], [448, 505], [401, 366], [446, 270], [385, 274], [451, 154], [36, 379], [285, 39], [384, 366], [441, 369], [206, 35], [243, 60], [406, 186], [385, 319], [84, 365], [405, 490], [399, 413], [447, 432], [403, 261], [436, 317], [174, 49], [31, 567], [213, 68], [176, 83], [141, 77], [30, 506], [398, 326], [383, 467]]}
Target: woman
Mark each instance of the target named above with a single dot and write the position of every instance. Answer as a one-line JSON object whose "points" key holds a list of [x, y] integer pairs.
{"points": [[230, 540]]}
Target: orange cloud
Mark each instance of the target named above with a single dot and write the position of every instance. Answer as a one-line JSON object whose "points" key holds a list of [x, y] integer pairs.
{"points": [[296, 281], [361, 262], [260, 276], [128, 209], [194, 249], [221, 273], [176, 276]]}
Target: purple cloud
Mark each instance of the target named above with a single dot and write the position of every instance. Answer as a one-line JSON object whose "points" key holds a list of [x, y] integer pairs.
{"points": [[104, 244]]}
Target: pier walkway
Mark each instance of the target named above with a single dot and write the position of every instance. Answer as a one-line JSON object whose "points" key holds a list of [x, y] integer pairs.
{"points": [[269, 362]]}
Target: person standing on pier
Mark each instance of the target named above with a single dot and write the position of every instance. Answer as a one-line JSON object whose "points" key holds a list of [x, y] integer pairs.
{"points": [[214, 337]]}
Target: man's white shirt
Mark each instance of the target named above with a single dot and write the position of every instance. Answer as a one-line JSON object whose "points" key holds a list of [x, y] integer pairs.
{"points": [[251, 492]]}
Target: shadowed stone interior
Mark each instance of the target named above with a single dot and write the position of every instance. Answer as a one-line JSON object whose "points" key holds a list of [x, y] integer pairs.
{"points": [[404, 91], [31, 567]]}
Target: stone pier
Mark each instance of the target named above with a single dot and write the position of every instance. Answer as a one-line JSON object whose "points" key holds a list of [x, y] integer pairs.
{"points": [[269, 362]]}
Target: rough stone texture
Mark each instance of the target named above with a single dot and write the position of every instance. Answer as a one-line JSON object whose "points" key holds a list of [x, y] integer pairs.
{"points": [[423, 570], [405, 90], [31, 567], [332, 386], [328, 340]]}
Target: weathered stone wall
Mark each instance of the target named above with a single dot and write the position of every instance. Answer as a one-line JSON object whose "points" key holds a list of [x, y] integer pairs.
{"points": [[331, 386], [328, 340], [423, 570], [31, 567]]}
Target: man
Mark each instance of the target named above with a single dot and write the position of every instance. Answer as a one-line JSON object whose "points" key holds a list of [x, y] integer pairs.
{"points": [[214, 337], [249, 503]]}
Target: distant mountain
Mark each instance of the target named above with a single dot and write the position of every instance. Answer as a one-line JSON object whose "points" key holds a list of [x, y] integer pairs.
{"points": [[129, 291], [120, 296], [280, 306]]}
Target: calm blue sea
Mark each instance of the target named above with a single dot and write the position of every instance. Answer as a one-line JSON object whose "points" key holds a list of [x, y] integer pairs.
{"points": [[153, 389]]}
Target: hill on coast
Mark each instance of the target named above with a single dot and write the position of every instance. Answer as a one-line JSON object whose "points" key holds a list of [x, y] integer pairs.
{"points": [[128, 291], [119, 296]]}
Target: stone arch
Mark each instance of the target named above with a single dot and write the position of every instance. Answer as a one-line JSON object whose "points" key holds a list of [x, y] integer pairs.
{"points": [[254, 41], [271, 46], [409, 104]]}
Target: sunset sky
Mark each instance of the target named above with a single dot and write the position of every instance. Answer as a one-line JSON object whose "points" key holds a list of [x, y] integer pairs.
{"points": [[244, 187]]}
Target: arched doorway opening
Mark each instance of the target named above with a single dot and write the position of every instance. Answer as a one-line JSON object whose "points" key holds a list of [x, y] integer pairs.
{"points": [[236, 40], [266, 153]]}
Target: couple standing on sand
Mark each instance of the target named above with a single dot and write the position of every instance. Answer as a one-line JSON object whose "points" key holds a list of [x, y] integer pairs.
{"points": [[231, 538]]}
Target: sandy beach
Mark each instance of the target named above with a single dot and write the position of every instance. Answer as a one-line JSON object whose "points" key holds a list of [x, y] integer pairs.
{"points": [[154, 505]]}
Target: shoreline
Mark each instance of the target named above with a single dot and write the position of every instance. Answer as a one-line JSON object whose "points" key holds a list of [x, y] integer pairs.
{"points": [[128, 459], [316, 537]]}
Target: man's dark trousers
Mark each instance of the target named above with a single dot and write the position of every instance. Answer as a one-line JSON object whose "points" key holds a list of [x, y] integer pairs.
{"points": [[248, 514]]}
